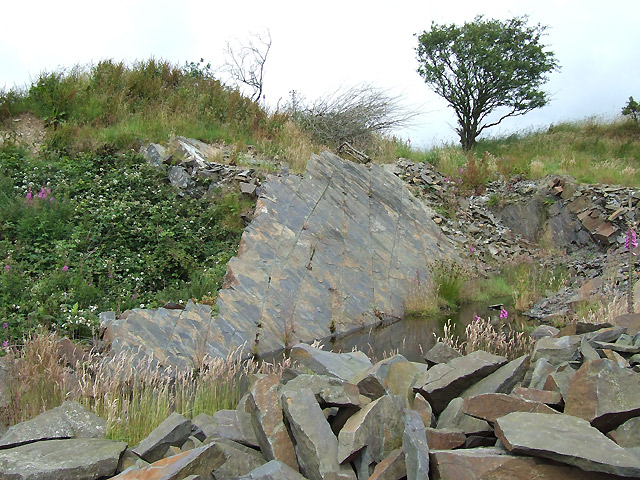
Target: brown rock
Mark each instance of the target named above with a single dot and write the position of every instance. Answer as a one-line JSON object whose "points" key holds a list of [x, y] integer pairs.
{"points": [[446, 381], [445, 438], [268, 421], [565, 439], [631, 321], [627, 435], [392, 467], [603, 393], [543, 396], [490, 406], [423, 408], [441, 353]]}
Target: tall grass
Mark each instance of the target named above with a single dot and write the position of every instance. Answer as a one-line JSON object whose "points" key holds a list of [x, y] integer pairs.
{"points": [[134, 397]]}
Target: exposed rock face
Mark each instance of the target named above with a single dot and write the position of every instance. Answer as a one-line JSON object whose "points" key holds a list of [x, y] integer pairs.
{"points": [[343, 244], [567, 439], [343, 241]]}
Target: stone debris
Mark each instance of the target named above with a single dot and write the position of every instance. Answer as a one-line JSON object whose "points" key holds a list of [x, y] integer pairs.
{"points": [[318, 425]]}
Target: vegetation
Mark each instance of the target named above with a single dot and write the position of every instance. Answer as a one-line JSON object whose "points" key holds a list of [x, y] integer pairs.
{"points": [[484, 66], [93, 232], [133, 398], [632, 109]]}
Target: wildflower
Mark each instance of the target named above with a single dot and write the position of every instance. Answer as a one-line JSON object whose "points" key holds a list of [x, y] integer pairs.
{"points": [[503, 313], [7, 268], [42, 193], [29, 196], [5, 325], [471, 249], [5, 344], [630, 240], [65, 268], [477, 318]]}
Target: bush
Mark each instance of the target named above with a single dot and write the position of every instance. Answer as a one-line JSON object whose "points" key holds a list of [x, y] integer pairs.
{"points": [[632, 109]]}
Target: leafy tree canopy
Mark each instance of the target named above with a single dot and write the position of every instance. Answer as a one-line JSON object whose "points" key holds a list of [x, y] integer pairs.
{"points": [[485, 65]]}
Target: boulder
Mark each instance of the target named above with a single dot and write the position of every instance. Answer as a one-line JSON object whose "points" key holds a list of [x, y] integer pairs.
{"points": [[440, 353], [490, 406], [239, 460], [557, 350], [453, 418], [379, 426], [537, 376], [446, 381], [423, 408], [445, 438], [587, 351], [497, 464], [329, 391], [372, 384], [268, 421], [345, 366], [629, 321], [603, 393], [273, 470], [173, 431], [502, 380], [68, 459], [392, 467], [199, 461], [225, 424], [544, 331], [245, 423], [69, 420], [553, 399], [566, 439], [610, 334], [415, 447], [558, 381], [316, 445], [627, 435]]}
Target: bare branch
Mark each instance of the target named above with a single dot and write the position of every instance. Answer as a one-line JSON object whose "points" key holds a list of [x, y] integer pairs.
{"points": [[245, 62]]}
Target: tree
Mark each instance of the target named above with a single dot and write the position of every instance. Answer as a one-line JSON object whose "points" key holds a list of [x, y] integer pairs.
{"points": [[351, 115], [245, 62], [632, 109], [484, 66]]}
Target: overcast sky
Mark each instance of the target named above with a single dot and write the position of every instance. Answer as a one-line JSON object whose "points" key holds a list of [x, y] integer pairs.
{"points": [[319, 47]]}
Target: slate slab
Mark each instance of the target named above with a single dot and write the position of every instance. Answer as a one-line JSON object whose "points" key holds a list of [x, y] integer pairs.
{"points": [[445, 381], [566, 439], [173, 431], [415, 447], [603, 393], [272, 470], [345, 366], [490, 406], [68, 459]]}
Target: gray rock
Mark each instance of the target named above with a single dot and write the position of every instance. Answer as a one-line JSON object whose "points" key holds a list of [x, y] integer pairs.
{"points": [[379, 426], [603, 393], [69, 459], [440, 353], [173, 431], [617, 347], [627, 435], [372, 384], [345, 366], [610, 334], [199, 461], [273, 470], [490, 406], [498, 464], [557, 350], [155, 155], [502, 380], [446, 381], [453, 418], [329, 391], [424, 409], [415, 446], [565, 439], [544, 331], [239, 460], [179, 177], [392, 467], [538, 375], [268, 421], [245, 422], [69, 420], [559, 380], [587, 351], [316, 445]]}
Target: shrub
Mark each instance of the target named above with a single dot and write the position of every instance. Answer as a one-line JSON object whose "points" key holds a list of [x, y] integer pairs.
{"points": [[632, 109], [448, 278]]}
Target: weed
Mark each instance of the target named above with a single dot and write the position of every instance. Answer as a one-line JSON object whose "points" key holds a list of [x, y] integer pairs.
{"points": [[448, 278], [421, 298]]}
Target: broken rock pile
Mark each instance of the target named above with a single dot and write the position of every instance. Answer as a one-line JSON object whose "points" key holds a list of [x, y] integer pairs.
{"points": [[570, 410]]}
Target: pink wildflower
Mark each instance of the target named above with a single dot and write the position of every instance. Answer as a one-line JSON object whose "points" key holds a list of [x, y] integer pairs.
{"points": [[7, 268], [5, 344], [503, 313], [65, 268], [5, 325], [29, 196]]}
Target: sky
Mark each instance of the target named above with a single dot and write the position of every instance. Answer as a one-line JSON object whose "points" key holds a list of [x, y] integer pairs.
{"points": [[320, 47]]}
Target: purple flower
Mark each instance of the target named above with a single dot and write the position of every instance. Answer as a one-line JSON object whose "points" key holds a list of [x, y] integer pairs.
{"points": [[29, 196], [503, 313], [5, 344], [630, 240], [5, 325], [477, 318], [471, 249], [51, 199], [65, 268], [7, 268], [42, 193]]}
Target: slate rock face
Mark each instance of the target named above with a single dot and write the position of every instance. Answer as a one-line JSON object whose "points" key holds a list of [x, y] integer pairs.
{"points": [[324, 251], [566, 439], [603, 393]]}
